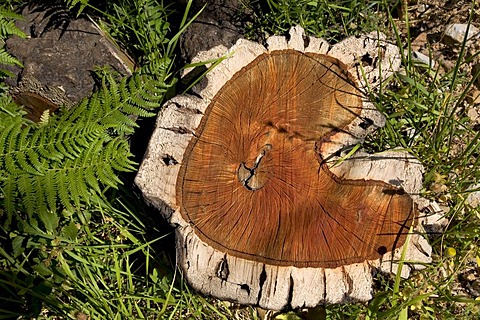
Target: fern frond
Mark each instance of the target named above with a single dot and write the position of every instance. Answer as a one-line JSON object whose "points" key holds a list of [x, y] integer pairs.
{"points": [[119, 121], [69, 160], [51, 190], [72, 180], [28, 188], [5, 13], [9, 192], [106, 175], [9, 111], [8, 59], [34, 160], [73, 3], [62, 187], [120, 164], [7, 27], [9, 139], [5, 134], [39, 203], [129, 99]]}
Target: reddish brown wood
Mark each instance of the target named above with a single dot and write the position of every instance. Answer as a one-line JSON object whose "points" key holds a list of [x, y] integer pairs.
{"points": [[253, 185], [35, 104]]}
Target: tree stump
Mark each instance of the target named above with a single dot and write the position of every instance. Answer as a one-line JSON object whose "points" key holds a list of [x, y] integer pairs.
{"points": [[245, 170]]}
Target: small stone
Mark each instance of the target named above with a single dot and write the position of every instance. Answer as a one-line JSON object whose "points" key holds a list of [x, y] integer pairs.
{"points": [[433, 218], [473, 198], [476, 71], [424, 59], [422, 8], [472, 114], [473, 97], [420, 41], [455, 33]]}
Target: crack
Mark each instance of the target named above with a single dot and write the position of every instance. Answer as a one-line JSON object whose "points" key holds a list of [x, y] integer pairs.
{"points": [[324, 285], [247, 176], [348, 281], [262, 280], [178, 130], [290, 292], [222, 269]]}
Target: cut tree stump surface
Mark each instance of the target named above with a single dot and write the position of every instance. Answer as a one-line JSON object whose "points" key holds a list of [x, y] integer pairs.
{"points": [[247, 171]]}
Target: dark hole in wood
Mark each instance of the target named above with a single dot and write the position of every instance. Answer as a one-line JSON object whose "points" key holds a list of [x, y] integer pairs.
{"points": [[246, 288], [366, 59], [169, 160], [306, 41], [382, 250], [366, 123]]}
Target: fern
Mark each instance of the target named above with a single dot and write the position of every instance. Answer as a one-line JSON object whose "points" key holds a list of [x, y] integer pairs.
{"points": [[72, 3], [70, 160], [7, 25], [6, 58], [8, 28]]}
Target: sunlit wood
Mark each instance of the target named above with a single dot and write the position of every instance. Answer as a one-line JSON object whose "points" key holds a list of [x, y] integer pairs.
{"points": [[253, 185]]}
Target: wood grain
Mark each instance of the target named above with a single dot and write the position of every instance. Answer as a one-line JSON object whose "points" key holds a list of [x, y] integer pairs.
{"points": [[252, 183]]}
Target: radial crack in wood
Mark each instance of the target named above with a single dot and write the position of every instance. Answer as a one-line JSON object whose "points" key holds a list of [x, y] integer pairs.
{"points": [[265, 214]]}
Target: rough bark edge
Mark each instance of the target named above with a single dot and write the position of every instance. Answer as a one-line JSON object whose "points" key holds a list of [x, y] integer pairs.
{"points": [[272, 287], [215, 273]]}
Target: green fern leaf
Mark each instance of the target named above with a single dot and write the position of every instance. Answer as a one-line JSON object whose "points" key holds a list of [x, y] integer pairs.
{"points": [[8, 189], [7, 155], [39, 203], [5, 13], [122, 163], [133, 109], [4, 137], [27, 188], [82, 187], [119, 122], [34, 160], [7, 25], [69, 160], [72, 179], [8, 59], [62, 186], [46, 148], [91, 179], [8, 28], [24, 165], [49, 184], [112, 91], [106, 176]]}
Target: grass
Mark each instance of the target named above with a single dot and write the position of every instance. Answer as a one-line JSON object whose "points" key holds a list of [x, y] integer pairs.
{"points": [[330, 20], [108, 260]]}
